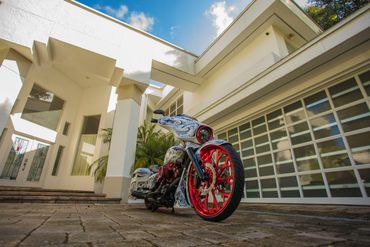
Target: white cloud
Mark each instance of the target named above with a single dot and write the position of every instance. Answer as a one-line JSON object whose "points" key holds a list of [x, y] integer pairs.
{"points": [[136, 19], [220, 14], [301, 3], [173, 31], [118, 13], [141, 21]]}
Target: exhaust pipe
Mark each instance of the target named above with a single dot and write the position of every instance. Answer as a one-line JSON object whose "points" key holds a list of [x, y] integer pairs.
{"points": [[139, 194]]}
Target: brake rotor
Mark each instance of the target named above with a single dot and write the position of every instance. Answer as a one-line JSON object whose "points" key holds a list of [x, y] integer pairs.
{"points": [[212, 175]]}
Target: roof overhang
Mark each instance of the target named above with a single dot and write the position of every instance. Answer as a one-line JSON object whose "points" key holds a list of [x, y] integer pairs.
{"points": [[284, 14], [82, 66]]}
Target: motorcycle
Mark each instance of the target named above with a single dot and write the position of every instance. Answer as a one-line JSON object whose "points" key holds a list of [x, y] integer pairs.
{"points": [[202, 172]]}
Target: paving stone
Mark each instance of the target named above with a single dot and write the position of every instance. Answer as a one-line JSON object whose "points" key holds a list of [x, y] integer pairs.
{"points": [[99, 228], [365, 229], [350, 243], [7, 239], [141, 243], [94, 237], [60, 228], [137, 235], [128, 227], [178, 241], [252, 235], [357, 236], [164, 233], [315, 239], [210, 236], [239, 244], [42, 239], [322, 235]]}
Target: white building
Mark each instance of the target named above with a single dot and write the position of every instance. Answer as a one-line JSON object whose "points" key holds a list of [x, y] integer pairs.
{"points": [[292, 99]]}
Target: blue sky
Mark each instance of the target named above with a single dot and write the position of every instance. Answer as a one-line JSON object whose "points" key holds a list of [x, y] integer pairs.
{"points": [[190, 24]]}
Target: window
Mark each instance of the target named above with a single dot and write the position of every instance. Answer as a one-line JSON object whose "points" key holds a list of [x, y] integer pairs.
{"points": [[66, 128], [15, 158], [43, 108], [176, 107], [38, 162], [86, 145], [317, 146], [57, 161]]}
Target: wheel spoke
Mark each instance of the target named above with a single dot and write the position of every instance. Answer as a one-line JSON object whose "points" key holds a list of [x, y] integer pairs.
{"points": [[205, 202], [217, 159], [225, 165], [215, 202]]}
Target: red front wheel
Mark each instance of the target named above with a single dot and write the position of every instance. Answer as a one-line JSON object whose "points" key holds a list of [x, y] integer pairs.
{"points": [[217, 198]]}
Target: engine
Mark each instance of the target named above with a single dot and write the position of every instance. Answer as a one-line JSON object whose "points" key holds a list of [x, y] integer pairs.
{"points": [[172, 166], [168, 173]]}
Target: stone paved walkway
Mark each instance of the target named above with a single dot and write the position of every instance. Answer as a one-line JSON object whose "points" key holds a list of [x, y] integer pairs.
{"points": [[120, 225]]}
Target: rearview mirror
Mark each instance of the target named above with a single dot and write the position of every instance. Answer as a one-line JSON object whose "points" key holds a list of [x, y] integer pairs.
{"points": [[159, 111]]}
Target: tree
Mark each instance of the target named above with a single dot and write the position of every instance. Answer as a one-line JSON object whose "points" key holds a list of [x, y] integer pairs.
{"points": [[329, 12], [151, 146]]}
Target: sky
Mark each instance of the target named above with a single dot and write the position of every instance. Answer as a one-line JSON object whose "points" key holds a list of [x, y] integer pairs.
{"points": [[189, 24]]}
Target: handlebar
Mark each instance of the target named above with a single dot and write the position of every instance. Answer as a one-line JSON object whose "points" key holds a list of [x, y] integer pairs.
{"points": [[153, 120]]}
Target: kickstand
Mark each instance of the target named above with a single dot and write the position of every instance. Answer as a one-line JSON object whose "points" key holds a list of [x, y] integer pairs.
{"points": [[173, 210]]}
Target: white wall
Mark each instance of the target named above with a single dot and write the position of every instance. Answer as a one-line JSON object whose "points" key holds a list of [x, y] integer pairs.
{"points": [[264, 51]]}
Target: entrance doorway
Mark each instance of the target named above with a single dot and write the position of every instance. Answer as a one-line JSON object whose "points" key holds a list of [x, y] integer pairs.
{"points": [[25, 160]]}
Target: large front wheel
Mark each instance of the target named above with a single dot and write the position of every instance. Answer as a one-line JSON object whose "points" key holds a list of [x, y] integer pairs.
{"points": [[216, 198]]}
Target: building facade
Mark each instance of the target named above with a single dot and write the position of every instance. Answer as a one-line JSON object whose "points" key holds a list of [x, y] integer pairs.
{"points": [[293, 100]]}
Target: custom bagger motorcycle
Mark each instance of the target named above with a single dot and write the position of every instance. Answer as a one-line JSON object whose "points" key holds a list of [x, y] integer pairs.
{"points": [[201, 172]]}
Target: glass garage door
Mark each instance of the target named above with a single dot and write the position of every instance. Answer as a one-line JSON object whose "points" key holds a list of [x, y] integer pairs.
{"points": [[317, 147]]}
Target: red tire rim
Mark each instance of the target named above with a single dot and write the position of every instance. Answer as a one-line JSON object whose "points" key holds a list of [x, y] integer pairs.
{"points": [[211, 197]]}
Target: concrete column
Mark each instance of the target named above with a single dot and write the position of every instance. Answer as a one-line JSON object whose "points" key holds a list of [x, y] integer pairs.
{"points": [[143, 109], [13, 71], [123, 143]]}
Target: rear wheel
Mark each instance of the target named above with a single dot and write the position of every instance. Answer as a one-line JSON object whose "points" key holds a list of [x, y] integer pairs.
{"points": [[149, 205], [217, 198]]}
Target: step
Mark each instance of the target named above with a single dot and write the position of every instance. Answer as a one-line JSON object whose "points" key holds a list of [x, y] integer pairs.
{"points": [[10, 194], [47, 193], [59, 199], [11, 188]]}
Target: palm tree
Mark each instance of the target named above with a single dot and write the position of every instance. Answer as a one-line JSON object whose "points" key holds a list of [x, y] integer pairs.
{"points": [[151, 146], [101, 164]]}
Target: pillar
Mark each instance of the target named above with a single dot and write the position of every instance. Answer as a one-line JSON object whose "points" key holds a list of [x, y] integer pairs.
{"points": [[13, 71], [123, 143], [143, 109]]}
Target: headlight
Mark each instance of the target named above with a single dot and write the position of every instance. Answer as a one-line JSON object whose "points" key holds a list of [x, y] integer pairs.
{"points": [[204, 134]]}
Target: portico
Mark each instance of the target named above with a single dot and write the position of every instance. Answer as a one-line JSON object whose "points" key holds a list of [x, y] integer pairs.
{"points": [[97, 72]]}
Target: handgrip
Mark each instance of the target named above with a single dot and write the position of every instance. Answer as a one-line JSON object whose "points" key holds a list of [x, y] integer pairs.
{"points": [[154, 120]]}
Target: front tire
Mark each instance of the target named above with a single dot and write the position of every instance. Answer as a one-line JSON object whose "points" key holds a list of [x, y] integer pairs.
{"points": [[218, 197]]}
